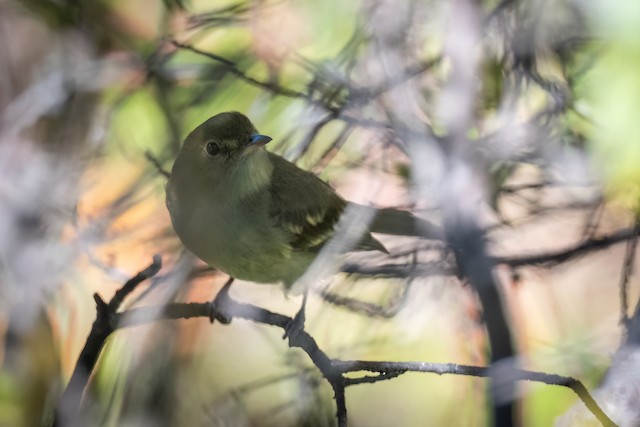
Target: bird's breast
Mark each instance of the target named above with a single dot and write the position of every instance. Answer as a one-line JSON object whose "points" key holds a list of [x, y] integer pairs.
{"points": [[238, 239]]}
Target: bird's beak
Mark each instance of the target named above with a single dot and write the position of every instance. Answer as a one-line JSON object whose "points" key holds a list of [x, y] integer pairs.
{"points": [[259, 140]]}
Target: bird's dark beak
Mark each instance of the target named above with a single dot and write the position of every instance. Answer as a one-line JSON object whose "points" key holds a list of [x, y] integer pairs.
{"points": [[259, 140]]}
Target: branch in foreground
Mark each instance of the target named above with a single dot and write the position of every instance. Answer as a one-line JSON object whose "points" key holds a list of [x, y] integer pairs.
{"points": [[334, 369], [103, 326], [389, 368], [108, 321], [144, 315]]}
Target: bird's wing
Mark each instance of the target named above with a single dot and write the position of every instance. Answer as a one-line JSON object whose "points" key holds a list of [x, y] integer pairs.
{"points": [[307, 208]]}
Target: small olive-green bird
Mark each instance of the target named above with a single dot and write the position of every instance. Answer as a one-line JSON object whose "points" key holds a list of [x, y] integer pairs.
{"points": [[254, 215]]}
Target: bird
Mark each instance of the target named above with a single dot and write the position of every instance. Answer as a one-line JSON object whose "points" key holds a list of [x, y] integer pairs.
{"points": [[256, 216]]}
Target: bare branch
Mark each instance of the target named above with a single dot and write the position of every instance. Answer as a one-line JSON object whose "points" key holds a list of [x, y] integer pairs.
{"points": [[627, 271], [478, 371], [233, 69], [105, 323], [552, 258], [108, 320]]}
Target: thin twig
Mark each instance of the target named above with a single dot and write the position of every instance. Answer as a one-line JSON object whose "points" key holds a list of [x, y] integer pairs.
{"points": [[103, 326], [383, 376], [552, 258], [155, 162], [478, 371], [233, 69], [132, 283]]}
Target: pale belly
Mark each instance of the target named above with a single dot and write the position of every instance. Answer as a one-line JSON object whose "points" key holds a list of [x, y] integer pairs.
{"points": [[257, 253]]}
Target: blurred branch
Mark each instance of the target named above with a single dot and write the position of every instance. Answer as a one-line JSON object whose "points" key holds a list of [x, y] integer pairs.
{"points": [[593, 219], [433, 268], [306, 141], [355, 98], [475, 264], [509, 189], [551, 258], [366, 95], [232, 67], [460, 204], [155, 162], [390, 270], [498, 10], [226, 15], [386, 311], [627, 271], [333, 149]]}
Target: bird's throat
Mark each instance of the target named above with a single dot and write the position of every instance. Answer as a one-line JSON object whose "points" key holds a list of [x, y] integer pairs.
{"points": [[251, 174]]}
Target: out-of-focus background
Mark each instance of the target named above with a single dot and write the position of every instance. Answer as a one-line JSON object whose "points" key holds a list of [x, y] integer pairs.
{"points": [[523, 114]]}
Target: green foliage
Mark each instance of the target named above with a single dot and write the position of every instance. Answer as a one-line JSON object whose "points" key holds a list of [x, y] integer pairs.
{"points": [[615, 95]]}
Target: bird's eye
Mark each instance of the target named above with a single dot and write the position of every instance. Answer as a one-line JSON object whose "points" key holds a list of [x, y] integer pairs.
{"points": [[212, 149]]}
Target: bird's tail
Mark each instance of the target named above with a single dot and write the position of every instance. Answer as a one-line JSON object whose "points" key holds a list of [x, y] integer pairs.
{"points": [[402, 223]]}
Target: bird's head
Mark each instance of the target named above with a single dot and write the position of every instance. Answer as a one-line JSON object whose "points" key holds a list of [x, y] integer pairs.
{"points": [[226, 149], [224, 139]]}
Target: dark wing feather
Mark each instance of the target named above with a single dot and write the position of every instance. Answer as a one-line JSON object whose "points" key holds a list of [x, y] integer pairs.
{"points": [[306, 207]]}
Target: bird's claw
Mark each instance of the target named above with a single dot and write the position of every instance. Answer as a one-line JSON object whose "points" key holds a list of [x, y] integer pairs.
{"points": [[295, 326], [218, 306], [216, 312]]}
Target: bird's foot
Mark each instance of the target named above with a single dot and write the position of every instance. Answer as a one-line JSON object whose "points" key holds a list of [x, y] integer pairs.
{"points": [[296, 325], [218, 306]]}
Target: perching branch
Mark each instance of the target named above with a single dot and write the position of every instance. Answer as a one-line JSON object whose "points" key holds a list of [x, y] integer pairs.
{"points": [[399, 368], [109, 320]]}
